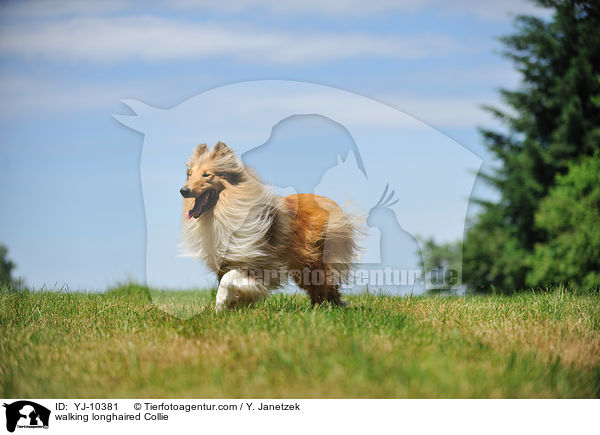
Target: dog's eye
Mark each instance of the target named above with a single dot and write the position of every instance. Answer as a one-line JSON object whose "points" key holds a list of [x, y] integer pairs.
{"points": [[188, 173], [206, 174]]}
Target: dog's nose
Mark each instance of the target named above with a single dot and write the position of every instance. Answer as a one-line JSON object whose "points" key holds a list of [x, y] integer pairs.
{"points": [[185, 192]]}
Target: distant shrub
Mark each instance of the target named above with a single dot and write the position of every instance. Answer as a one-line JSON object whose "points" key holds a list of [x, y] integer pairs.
{"points": [[6, 267]]}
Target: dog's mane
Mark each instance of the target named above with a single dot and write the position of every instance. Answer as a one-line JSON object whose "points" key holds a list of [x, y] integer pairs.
{"points": [[236, 229]]}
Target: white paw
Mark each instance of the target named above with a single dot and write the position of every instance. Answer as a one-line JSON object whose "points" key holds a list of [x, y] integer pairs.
{"points": [[219, 307], [223, 301], [237, 289]]}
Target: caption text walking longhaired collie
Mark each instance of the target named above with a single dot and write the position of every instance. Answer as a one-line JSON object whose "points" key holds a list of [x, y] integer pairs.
{"points": [[254, 240]]}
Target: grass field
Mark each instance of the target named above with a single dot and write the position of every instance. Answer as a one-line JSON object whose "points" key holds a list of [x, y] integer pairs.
{"points": [[122, 344]]}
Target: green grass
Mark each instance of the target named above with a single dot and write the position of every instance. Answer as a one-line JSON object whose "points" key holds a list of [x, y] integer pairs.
{"points": [[122, 344]]}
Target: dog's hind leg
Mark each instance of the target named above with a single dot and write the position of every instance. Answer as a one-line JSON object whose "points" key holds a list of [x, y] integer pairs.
{"points": [[237, 288], [318, 290]]}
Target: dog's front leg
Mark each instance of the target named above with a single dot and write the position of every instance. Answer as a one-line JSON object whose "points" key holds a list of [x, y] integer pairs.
{"points": [[236, 289]]}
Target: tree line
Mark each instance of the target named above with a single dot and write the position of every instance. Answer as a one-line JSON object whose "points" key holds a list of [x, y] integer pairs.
{"points": [[545, 228]]}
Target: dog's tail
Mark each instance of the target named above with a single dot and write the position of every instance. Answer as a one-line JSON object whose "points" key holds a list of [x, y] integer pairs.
{"points": [[345, 231]]}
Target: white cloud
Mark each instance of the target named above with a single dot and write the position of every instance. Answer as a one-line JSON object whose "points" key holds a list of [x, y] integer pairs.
{"points": [[47, 9], [155, 39], [446, 112], [452, 111], [488, 74], [27, 96], [492, 9], [485, 9], [328, 7], [33, 96]]}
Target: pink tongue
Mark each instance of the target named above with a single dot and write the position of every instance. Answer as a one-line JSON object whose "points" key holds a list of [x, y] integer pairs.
{"points": [[187, 214]]}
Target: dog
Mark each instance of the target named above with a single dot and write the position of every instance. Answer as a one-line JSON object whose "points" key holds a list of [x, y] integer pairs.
{"points": [[254, 240]]}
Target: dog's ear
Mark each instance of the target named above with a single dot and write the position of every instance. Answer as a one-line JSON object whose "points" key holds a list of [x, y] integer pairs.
{"points": [[199, 150], [221, 150]]}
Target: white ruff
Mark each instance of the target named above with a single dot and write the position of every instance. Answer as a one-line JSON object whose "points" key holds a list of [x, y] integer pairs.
{"points": [[235, 231]]}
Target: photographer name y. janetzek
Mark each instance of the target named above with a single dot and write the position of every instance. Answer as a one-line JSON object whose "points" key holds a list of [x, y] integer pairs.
{"points": [[279, 407]]}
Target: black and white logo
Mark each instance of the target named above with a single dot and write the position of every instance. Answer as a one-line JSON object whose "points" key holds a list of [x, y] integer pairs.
{"points": [[26, 414]]}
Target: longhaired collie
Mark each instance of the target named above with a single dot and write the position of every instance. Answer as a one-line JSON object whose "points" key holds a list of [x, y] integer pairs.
{"points": [[254, 240]]}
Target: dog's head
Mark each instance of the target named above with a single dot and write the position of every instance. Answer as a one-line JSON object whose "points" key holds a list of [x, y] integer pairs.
{"points": [[209, 174]]}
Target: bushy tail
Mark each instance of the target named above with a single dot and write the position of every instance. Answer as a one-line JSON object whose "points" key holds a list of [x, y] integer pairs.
{"points": [[345, 229]]}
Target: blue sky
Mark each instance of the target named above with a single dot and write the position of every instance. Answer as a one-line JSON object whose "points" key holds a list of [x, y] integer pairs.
{"points": [[72, 202]]}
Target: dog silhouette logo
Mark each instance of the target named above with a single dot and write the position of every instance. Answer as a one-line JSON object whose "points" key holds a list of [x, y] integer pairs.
{"points": [[26, 414]]}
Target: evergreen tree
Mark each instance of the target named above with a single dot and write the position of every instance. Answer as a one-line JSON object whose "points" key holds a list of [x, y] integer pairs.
{"points": [[555, 119], [6, 267], [570, 216]]}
